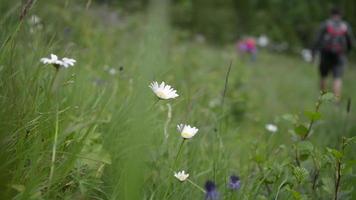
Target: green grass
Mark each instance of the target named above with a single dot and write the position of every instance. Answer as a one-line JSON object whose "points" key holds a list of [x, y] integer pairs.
{"points": [[92, 135]]}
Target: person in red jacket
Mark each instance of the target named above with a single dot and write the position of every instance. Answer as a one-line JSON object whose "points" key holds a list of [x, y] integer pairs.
{"points": [[248, 46]]}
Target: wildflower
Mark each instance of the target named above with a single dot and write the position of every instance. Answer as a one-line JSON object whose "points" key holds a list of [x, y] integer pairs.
{"points": [[112, 71], [66, 62], [187, 131], [182, 176], [163, 91], [211, 192], [52, 60], [271, 128], [34, 20], [234, 182]]}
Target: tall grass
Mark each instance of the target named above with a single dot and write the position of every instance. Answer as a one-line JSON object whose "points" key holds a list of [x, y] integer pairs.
{"points": [[86, 133]]}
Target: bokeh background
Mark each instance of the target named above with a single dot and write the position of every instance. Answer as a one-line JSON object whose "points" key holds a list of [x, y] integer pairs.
{"points": [[96, 130]]}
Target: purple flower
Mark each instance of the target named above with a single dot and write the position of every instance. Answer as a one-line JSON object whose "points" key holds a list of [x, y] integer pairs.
{"points": [[234, 183], [211, 192]]}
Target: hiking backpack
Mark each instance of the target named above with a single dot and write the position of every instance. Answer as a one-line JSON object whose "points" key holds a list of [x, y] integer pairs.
{"points": [[334, 40]]}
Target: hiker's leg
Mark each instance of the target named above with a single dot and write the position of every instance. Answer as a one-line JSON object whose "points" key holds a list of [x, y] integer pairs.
{"points": [[323, 84], [323, 71], [337, 86], [338, 71]]}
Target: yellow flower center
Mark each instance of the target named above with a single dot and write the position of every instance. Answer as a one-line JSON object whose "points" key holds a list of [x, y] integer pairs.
{"points": [[161, 94]]}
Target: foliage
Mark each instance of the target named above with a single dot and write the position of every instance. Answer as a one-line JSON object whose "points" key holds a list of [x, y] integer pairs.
{"points": [[95, 131], [224, 21]]}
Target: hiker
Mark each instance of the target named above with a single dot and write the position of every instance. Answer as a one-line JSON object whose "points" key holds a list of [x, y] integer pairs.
{"points": [[248, 46], [333, 41]]}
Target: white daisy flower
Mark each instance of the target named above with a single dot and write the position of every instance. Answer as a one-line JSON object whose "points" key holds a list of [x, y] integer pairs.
{"points": [[34, 20], [187, 131], [66, 62], [163, 91], [182, 176], [112, 71], [271, 128], [52, 60]]}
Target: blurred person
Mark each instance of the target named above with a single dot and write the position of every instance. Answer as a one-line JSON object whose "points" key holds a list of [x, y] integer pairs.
{"points": [[334, 40], [248, 46]]}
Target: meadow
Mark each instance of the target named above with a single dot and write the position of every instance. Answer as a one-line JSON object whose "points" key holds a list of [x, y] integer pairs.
{"points": [[96, 130]]}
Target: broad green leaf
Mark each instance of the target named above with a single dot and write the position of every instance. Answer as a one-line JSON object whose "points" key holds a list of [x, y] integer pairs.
{"points": [[301, 130], [335, 153], [328, 96], [312, 115], [296, 195], [18, 187], [350, 140], [328, 184], [305, 146], [259, 158]]}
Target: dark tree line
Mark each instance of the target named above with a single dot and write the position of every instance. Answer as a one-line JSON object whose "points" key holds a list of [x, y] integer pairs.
{"points": [[222, 21]]}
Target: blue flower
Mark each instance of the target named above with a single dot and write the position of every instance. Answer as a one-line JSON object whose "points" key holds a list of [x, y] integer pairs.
{"points": [[211, 192], [234, 183]]}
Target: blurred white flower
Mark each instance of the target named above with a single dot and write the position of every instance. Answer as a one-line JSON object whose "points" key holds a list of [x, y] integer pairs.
{"points": [[35, 23], [187, 131], [306, 55], [66, 62], [182, 176], [34, 20], [262, 41], [52, 60], [163, 91], [112, 71], [214, 102], [271, 128]]}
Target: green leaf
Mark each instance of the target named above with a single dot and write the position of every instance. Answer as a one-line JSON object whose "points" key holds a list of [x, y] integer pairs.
{"points": [[328, 97], [350, 140], [296, 195], [312, 115], [328, 185], [335, 153], [259, 158], [18, 187], [306, 146], [301, 130]]}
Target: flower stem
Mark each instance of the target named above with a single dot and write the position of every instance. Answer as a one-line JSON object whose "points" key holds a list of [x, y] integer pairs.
{"points": [[169, 117], [280, 187], [317, 107], [54, 148], [196, 185], [178, 153], [54, 80]]}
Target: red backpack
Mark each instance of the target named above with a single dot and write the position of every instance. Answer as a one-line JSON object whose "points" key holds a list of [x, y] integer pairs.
{"points": [[334, 40]]}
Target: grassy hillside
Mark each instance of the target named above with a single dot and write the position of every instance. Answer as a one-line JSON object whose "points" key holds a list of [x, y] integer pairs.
{"points": [[96, 130]]}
